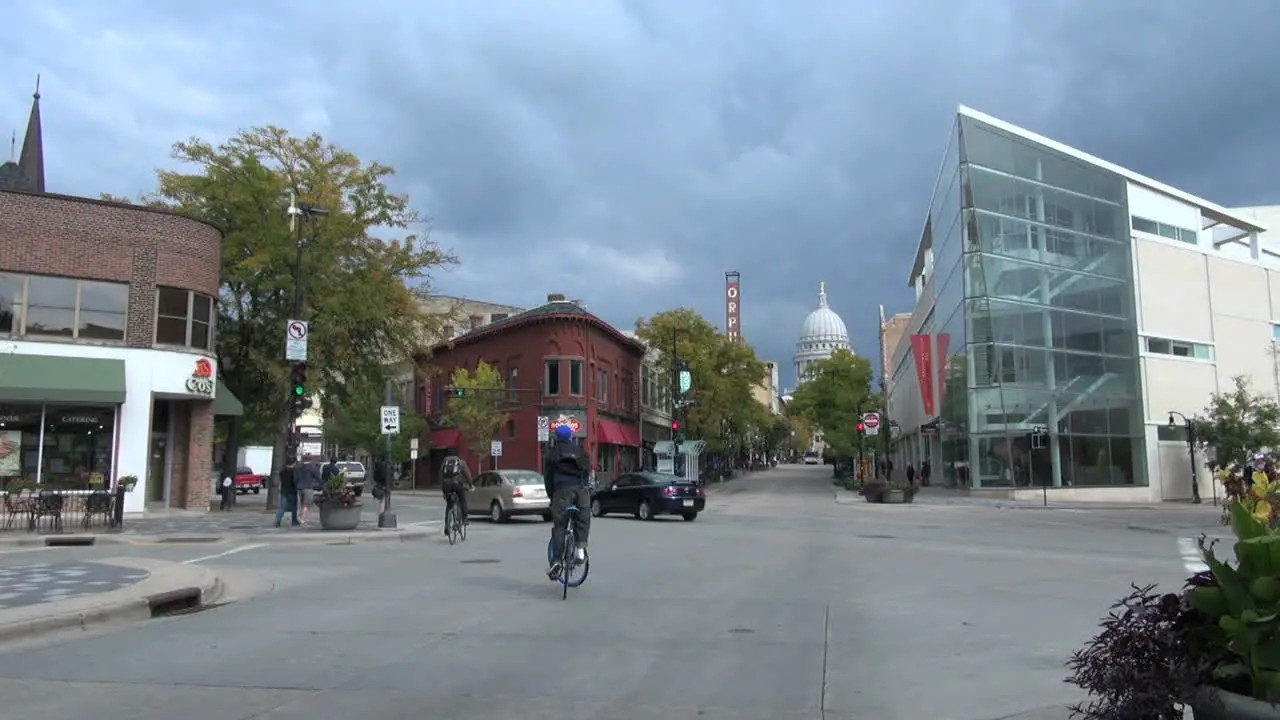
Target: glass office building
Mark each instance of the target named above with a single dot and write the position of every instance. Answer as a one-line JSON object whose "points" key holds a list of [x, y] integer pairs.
{"points": [[1030, 265]]}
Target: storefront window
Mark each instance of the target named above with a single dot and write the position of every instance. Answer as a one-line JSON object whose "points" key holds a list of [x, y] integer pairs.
{"points": [[62, 307], [78, 442], [19, 442]]}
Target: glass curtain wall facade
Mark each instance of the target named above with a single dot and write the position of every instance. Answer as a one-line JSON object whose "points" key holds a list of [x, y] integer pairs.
{"points": [[1036, 298]]}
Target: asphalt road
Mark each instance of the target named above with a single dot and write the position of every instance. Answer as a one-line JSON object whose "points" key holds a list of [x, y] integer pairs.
{"points": [[777, 604]]}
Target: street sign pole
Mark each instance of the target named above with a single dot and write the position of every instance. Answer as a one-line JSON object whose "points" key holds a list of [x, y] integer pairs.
{"points": [[387, 518]]}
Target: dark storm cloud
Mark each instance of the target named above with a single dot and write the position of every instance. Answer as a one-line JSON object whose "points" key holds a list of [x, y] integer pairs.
{"points": [[629, 153]]}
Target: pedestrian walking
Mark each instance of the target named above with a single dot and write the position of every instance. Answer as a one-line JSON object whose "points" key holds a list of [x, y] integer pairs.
{"points": [[911, 473], [307, 478], [226, 488], [288, 499], [925, 471]]}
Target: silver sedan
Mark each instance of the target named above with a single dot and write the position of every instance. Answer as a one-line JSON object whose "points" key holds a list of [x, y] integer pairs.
{"points": [[501, 494]]}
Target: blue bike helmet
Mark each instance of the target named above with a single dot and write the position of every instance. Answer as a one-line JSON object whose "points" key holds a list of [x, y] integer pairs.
{"points": [[563, 432]]}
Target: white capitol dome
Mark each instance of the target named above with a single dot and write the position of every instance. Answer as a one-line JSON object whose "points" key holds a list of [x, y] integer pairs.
{"points": [[821, 335]]}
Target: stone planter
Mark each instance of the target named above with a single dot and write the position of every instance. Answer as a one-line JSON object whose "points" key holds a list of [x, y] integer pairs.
{"points": [[1214, 704], [335, 516], [895, 496]]}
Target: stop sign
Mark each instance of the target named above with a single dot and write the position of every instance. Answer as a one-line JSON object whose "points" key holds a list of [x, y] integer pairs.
{"points": [[871, 420]]}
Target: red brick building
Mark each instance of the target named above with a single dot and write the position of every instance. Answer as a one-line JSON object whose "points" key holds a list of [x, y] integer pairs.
{"points": [[558, 361]]}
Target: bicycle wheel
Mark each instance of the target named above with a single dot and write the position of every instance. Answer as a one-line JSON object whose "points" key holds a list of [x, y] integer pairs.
{"points": [[576, 571], [451, 525], [566, 566], [462, 526]]}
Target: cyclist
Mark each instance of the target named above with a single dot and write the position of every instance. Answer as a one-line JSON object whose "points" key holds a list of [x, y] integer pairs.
{"points": [[566, 471], [453, 484]]}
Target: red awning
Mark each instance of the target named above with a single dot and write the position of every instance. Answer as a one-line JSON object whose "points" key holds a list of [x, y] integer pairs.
{"points": [[612, 433], [450, 438]]}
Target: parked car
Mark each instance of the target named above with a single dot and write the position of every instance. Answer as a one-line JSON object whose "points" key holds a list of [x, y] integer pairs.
{"points": [[501, 494], [811, 458], [355, 475], [246, 481], [648, 494]]}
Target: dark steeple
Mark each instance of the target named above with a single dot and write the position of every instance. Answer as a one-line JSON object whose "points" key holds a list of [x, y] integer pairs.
{"points": [[32, 158]]}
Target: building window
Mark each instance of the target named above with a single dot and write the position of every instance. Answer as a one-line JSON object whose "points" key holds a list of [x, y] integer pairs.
{"points": [[184, 317], [513, 382], [551, 383], [1275, 331], [602, 386], [575, 377], [40, 305], [1165, 230], [78, 445], [646, 387], [1178, 348]]}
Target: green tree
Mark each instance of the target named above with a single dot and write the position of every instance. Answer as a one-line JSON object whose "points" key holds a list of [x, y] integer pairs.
{"points": [[1239, 423], [352, 416], [477, 410], [834, 399], [359, 289], [801, 434], [724, 374]]}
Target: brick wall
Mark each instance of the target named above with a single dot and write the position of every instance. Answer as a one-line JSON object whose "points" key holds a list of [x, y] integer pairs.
{"points": [[67, 236], [198, 480], [178, 453]]}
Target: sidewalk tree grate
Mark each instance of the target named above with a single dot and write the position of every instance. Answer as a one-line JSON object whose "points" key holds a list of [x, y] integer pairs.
{"points": [[480, 561]]}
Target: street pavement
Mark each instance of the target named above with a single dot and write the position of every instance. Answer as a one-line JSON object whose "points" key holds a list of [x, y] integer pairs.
{"points": [[784, 600]]}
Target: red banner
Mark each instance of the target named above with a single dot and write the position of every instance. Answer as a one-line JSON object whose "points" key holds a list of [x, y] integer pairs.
{"points": [[923, 355], [944, 345]]}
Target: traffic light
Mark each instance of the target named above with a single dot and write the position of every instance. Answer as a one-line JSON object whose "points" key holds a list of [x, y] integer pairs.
{"points": [[675, 425], [861, 427], [298, 394]]}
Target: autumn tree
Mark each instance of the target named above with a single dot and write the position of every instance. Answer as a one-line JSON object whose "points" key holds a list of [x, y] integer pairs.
{"points": [[724, 374], [476, 406], [834, 399], [1239, 423], [359, 289], [801, 434]]}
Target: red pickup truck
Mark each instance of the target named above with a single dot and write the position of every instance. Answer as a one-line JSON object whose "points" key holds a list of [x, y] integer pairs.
{"points": [[247, 480]]}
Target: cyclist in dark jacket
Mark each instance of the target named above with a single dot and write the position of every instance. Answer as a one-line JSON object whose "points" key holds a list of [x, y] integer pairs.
{"points": [[566, 471], [454, 483]]}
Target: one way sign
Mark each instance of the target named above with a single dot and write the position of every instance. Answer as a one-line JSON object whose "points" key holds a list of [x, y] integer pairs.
{"points": [[390, 420]]}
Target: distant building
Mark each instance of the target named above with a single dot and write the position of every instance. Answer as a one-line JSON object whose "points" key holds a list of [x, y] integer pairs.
{"points": [[892, 330], [821, 335], [767, 392], [655, 402], [559, 361]]}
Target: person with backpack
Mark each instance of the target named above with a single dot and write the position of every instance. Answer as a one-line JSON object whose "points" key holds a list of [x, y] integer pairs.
{"points": [[566, 472], [454, 484]]}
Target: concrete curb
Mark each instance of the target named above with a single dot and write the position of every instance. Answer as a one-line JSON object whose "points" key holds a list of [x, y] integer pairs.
{"points": [[67, 540], [167, 581]]}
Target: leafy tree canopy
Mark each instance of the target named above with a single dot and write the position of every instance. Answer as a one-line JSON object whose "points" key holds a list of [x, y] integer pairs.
{"points": [[478, 412], [801, 433], [833, 400], [360, 290], [724, 372], [353, 413], [1239, 423]]}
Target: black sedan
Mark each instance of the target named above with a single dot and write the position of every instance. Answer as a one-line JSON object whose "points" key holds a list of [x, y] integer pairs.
{"points": [[647, 495]]}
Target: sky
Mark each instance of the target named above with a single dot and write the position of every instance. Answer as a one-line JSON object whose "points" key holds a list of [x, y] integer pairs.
{"points": [[629, 153]]}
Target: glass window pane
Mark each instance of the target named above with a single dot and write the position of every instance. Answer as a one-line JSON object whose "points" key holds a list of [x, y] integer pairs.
{"points": [[171, 331], [11, 287], [77, 445], [200, 335], [575, 377], [1168, 231], [171, 302], [19, 442], [104, 297], [201, 307], [1204, 352], [1158, 346], [52, 292], [1146, 226], [1188, 236], [101, 325], [57, 322]]}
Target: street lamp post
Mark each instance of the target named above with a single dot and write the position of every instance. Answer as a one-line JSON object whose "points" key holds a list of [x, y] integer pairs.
{"points": [[1191, 450]]}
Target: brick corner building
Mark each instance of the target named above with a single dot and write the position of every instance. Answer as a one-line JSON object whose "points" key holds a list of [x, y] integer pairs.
{"points": [[558, 361], [107, 320]]}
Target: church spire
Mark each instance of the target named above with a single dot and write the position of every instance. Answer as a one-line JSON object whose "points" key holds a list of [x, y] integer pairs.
{"points": [[822, 294], [31, 161]]}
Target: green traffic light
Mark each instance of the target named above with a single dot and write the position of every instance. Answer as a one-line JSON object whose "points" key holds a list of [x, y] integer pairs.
{"points": [[299, 390]]}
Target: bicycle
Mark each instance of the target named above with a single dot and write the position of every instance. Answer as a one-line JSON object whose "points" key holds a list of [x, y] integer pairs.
{"points": [[454, 527], [569, 555]]}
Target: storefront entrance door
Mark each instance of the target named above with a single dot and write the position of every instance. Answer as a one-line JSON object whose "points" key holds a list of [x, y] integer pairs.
{"points": [[155, 469]]}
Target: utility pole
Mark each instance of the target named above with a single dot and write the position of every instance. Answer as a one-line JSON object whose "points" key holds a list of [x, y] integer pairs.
{"points": [[296, 215], [386, 518]]}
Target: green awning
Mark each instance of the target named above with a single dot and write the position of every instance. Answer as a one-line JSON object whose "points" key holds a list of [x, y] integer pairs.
{"points": [[225, 403], [53, 378]]}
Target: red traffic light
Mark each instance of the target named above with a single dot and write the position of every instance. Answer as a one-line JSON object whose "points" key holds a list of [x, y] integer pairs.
{"points": [[860, 427], [675, 425]]}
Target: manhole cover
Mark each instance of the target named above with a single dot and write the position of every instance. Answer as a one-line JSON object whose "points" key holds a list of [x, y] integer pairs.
{"points": [[740, 631], [189, 539], [877, 537], [481, 561]]}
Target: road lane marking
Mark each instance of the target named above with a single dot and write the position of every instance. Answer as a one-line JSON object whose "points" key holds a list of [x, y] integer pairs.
{"points": [[26, 550], [215, 556], [1192, 560]]}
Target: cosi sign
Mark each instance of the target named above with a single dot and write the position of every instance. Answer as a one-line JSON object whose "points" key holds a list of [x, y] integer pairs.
{"points": [[201, 381]]}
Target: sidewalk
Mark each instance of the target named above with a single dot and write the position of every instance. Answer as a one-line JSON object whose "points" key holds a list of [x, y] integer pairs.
{"points": [[39, 597], [246, 521]]}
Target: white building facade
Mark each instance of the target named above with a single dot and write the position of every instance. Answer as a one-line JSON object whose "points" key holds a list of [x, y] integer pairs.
{"points": [[1065, 307]]}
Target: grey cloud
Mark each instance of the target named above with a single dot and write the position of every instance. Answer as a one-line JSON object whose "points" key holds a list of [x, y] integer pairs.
{"points": [[630, 152]]}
